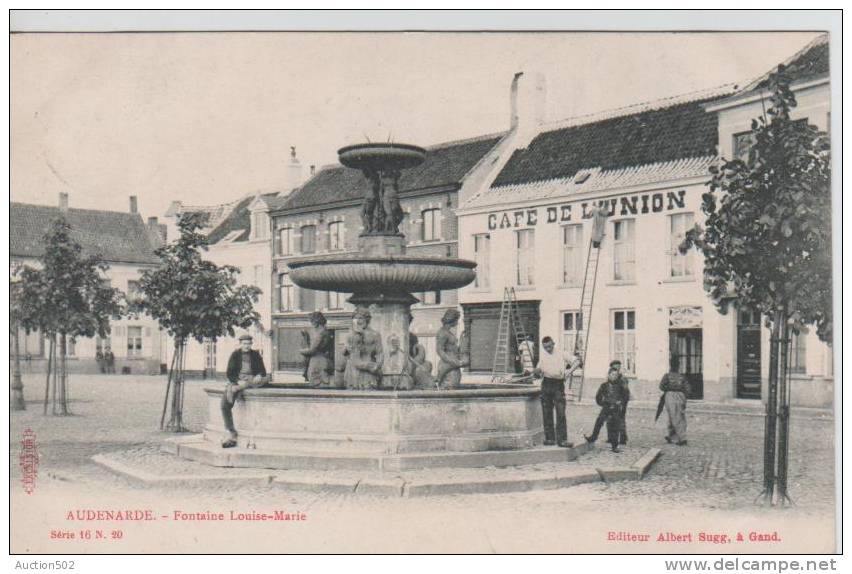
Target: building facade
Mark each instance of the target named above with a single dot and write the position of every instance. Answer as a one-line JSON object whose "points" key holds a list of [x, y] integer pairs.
{"points": [[647, 167], [126, 244]]}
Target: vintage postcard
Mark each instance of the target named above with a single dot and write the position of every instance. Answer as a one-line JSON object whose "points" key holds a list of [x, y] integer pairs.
{"points": [[345, 291]]}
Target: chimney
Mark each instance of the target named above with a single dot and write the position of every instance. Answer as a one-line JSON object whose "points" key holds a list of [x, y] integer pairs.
{"points": [[293, 174], [313, 170], [63, 202], [157, 230], [528, 95], [133, 204]]}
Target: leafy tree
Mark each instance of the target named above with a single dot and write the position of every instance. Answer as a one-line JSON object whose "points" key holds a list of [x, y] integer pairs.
{"points": [[65, 297], [192, 299], [767, 245]]}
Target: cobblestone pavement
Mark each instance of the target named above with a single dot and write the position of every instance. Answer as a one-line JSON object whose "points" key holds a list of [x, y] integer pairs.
{"points": [[709, 483]]}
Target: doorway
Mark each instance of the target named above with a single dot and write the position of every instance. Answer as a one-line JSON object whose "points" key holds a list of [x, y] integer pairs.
{"points": [[686, 345], [748, 354]]}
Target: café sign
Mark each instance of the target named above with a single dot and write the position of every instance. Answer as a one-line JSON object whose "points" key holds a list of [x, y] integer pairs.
{"points": [[637, 204]]}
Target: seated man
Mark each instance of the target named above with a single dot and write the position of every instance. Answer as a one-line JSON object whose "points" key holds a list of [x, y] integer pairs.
{"points": [[245, 370]]}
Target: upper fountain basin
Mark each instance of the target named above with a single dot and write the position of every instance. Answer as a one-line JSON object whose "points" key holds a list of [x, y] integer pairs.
{"points": [[379, 157], [402, 273]]}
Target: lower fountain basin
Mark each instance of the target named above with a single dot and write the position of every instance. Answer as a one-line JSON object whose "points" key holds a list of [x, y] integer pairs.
{"points": [[400, 273], [289, 421]]}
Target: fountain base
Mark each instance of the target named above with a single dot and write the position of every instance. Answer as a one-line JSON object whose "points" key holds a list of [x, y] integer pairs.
{"points": [[298, 427]]}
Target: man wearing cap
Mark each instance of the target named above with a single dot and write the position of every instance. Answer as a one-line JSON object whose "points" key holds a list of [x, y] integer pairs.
{"points": [[552, 367], [245, 370]]}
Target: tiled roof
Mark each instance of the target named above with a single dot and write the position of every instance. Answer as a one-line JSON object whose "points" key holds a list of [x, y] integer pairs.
{"points": [[445, 164], [238, 219], [115, 236], [807, 64], [666, 131], [598, 180]]}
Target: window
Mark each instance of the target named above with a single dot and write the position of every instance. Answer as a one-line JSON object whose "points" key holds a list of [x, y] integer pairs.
{"points": [[259, 223], [134, 341], [309, 239], [286, 295], [624, 339], [101, 344], [798, 350], [742, 144], [482, 256], [336, 299], [133, 292], [680, 264], [431, 224], [210, 355], [285, 241], [572, 255], [525, 257], [335, 236], [71, 347], [572, 325], [624, 258]]}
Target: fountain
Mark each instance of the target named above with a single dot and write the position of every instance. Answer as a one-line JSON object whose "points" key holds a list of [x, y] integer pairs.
{"points": [[390, 426]]}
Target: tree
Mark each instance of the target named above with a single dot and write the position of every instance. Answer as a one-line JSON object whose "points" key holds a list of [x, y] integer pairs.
{"points": [[16, 386], [66, 297], [192, 299], [767, 245]]}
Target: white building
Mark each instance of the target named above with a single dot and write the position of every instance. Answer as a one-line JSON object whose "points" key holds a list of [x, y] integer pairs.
{"points": [[124, 242], [648, 165]]}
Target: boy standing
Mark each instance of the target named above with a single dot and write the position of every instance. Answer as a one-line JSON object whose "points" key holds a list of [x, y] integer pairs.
{"points": [[612, 397]]}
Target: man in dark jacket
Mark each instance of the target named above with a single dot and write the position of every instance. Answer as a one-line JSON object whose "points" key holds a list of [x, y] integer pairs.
{"points": [[245, 370]]}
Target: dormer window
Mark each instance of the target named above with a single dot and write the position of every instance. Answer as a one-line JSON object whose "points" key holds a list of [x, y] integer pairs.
{"points": [[259, 225]]}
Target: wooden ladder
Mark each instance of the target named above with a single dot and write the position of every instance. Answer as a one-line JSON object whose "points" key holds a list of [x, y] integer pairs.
{"points": [[587, 300], [510, 323]]}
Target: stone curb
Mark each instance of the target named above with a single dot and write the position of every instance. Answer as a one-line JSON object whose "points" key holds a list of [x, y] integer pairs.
{"points": [[397, 486]]}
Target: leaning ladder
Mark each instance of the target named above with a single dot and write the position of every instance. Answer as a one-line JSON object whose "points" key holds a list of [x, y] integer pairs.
{"points": [[510, 323], [581, 343]]}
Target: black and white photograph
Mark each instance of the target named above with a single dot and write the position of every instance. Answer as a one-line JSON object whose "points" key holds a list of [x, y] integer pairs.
{"points": [[412, 289]]}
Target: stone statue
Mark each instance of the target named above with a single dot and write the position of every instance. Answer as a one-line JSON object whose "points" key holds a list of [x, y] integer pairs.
{"points": [[318, 352], [397, 361], [421, 367], [450, 353], [364, 354], [370, 215], [393, 213]]}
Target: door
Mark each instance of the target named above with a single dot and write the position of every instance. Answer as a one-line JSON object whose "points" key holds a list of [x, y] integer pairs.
{"points": [[748, 355], [686, 345]]}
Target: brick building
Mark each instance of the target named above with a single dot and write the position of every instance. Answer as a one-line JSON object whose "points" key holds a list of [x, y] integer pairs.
{"points": [[323, 218]]}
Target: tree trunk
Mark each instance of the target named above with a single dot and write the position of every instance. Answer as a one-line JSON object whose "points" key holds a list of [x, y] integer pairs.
{"points": [[769, 438], [783, 415], [63, 375], [16, 390], [176, 419], [50, 367]]}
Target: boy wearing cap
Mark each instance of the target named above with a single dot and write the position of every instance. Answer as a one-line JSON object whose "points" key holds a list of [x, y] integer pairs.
{"points": [[245, 370], [619, 378]]}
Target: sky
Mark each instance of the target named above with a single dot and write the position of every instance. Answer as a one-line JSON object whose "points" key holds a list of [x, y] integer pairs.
{"points": [[206, 118]]}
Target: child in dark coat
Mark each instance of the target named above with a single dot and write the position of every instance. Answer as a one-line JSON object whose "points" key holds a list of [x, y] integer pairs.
{"points": [[612, 398]]}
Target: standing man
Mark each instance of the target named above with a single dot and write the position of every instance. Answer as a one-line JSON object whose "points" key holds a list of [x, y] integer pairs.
{"points": [[99, 358], [554, 368], [245, 370], [526, 354], [675, 389], [109, 360]]}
